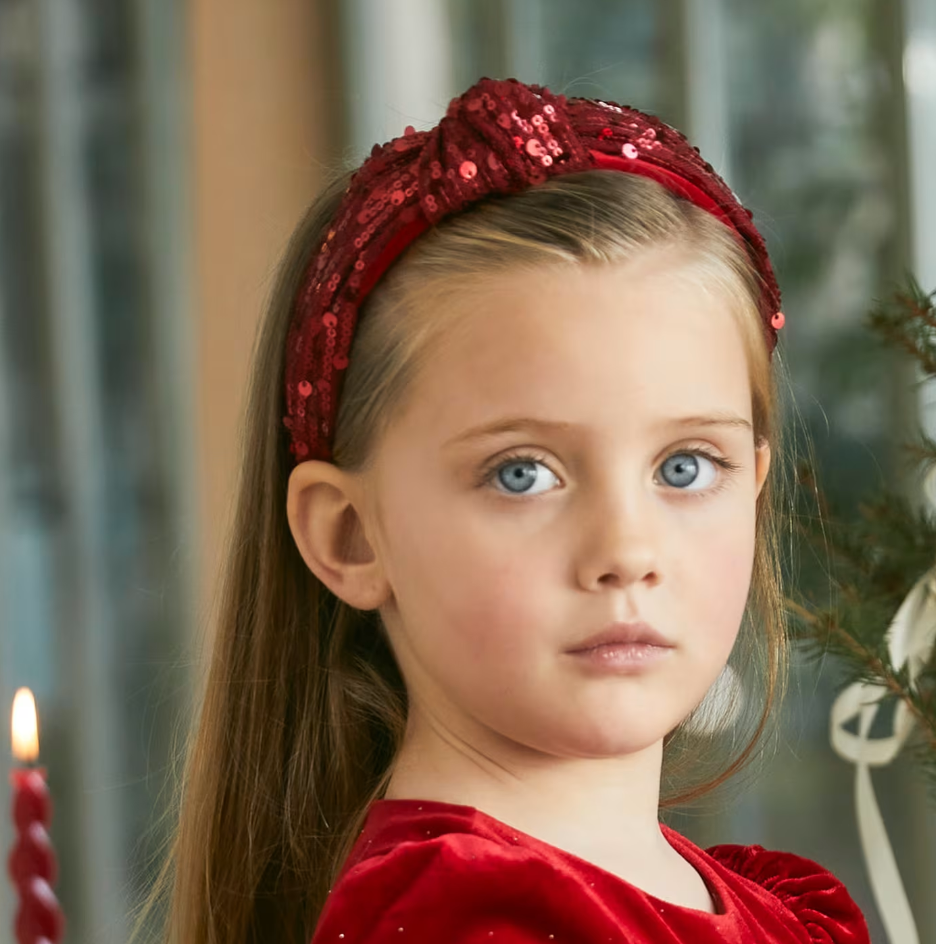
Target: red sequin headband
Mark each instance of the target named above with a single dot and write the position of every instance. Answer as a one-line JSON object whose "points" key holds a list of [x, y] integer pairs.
{"points": [[499, 137]]}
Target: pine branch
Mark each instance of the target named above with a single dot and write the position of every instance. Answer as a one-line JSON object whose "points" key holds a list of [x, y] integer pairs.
{"points": [[874, 668], [876, 558], [908, 322], [922, 451]]}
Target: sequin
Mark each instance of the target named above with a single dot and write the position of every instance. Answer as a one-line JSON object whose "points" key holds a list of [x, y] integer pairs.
{"points": [[487, 124], [778, 320], [305, 388], [329, 320]]}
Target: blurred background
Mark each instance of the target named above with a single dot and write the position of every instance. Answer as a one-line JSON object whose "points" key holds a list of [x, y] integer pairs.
{"points": [[154, 157]]}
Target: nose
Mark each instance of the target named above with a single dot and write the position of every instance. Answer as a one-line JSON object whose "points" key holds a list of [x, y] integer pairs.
{"points": [[620, 542]]}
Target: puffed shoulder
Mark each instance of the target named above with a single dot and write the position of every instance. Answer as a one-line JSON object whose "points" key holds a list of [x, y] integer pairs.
{"points": [[810, 892], [457, 888]]}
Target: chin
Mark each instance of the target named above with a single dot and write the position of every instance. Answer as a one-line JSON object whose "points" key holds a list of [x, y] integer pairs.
{"points": [[607, 741]]}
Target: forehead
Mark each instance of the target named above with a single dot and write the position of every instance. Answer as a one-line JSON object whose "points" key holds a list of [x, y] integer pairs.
{"points": [[622, 347]]}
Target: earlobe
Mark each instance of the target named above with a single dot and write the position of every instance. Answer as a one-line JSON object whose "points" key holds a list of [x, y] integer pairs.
{"points": [[325, 519]]}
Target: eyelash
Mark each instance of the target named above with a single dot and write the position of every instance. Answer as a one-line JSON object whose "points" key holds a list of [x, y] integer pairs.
{"points": [[730, 468]]}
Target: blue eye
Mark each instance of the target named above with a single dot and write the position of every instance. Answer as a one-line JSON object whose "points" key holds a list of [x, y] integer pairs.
{"points": [[682, 470], [518, 473]]}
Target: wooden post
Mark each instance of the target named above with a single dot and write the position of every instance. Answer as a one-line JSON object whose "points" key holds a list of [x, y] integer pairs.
{"points": [[265, 95]]}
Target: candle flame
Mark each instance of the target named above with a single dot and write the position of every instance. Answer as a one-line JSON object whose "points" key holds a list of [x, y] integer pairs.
{"points": [[25, 727]]}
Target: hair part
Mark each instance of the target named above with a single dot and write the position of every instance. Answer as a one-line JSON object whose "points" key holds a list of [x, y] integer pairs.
{"points": [[304, 708]]}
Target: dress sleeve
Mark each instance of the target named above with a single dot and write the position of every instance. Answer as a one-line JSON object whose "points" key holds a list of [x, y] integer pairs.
{"points": [[813, 894], [461, 889]]}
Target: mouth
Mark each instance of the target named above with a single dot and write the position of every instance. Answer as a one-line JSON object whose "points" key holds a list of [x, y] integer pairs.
{"points": [[634, 636]]}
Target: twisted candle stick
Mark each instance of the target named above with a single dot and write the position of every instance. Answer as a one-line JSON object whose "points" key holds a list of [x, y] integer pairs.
{"points": [[32, 865]]}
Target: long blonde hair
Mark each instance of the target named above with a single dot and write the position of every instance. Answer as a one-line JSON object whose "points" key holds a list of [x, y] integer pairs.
{"points": [[304, 708]]}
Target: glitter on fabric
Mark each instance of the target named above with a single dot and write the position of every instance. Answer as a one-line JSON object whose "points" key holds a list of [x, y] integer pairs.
{"points": [[500, 137]]}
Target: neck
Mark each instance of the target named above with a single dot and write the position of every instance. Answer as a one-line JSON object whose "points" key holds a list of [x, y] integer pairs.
{"points": [[593, 807]]}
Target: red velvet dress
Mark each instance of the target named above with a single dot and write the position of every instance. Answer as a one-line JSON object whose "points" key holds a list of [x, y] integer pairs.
{"points": [[425, 872]]}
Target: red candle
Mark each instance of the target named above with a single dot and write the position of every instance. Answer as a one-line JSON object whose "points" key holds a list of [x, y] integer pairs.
{"points": [[32, 864]]}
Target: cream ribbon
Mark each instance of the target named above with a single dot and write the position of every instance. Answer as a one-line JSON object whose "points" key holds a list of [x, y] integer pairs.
{"points": [[910, 638]]}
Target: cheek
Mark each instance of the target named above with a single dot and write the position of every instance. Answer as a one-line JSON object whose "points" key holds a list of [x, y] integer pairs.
{"points": [[722, 576], [462, 587]]}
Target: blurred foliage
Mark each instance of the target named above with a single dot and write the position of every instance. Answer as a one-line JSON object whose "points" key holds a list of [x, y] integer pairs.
{"points": [[875, 557]]}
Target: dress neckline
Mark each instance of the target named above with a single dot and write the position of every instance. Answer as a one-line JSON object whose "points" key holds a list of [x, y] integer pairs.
{"points": [[696, 857]]}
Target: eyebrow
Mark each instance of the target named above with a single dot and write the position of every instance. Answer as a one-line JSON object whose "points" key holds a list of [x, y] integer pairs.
{"points": [[516, 424]]}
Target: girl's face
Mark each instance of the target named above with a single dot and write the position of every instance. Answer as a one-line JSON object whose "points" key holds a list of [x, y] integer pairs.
{"points": [[606, 500]]}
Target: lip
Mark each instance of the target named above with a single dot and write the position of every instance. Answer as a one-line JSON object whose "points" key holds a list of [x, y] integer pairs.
{"points": [[622, 634]]}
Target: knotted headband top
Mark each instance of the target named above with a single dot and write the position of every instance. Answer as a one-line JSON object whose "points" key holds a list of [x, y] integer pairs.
{"points": [[500, 137]]}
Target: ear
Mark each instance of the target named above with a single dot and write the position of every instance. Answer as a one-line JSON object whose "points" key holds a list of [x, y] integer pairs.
{"points": [[761, 464], [324, 506]]}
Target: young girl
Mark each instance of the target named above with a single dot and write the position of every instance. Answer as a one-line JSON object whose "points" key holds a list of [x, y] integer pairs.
{"points": [[504, 579]]}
